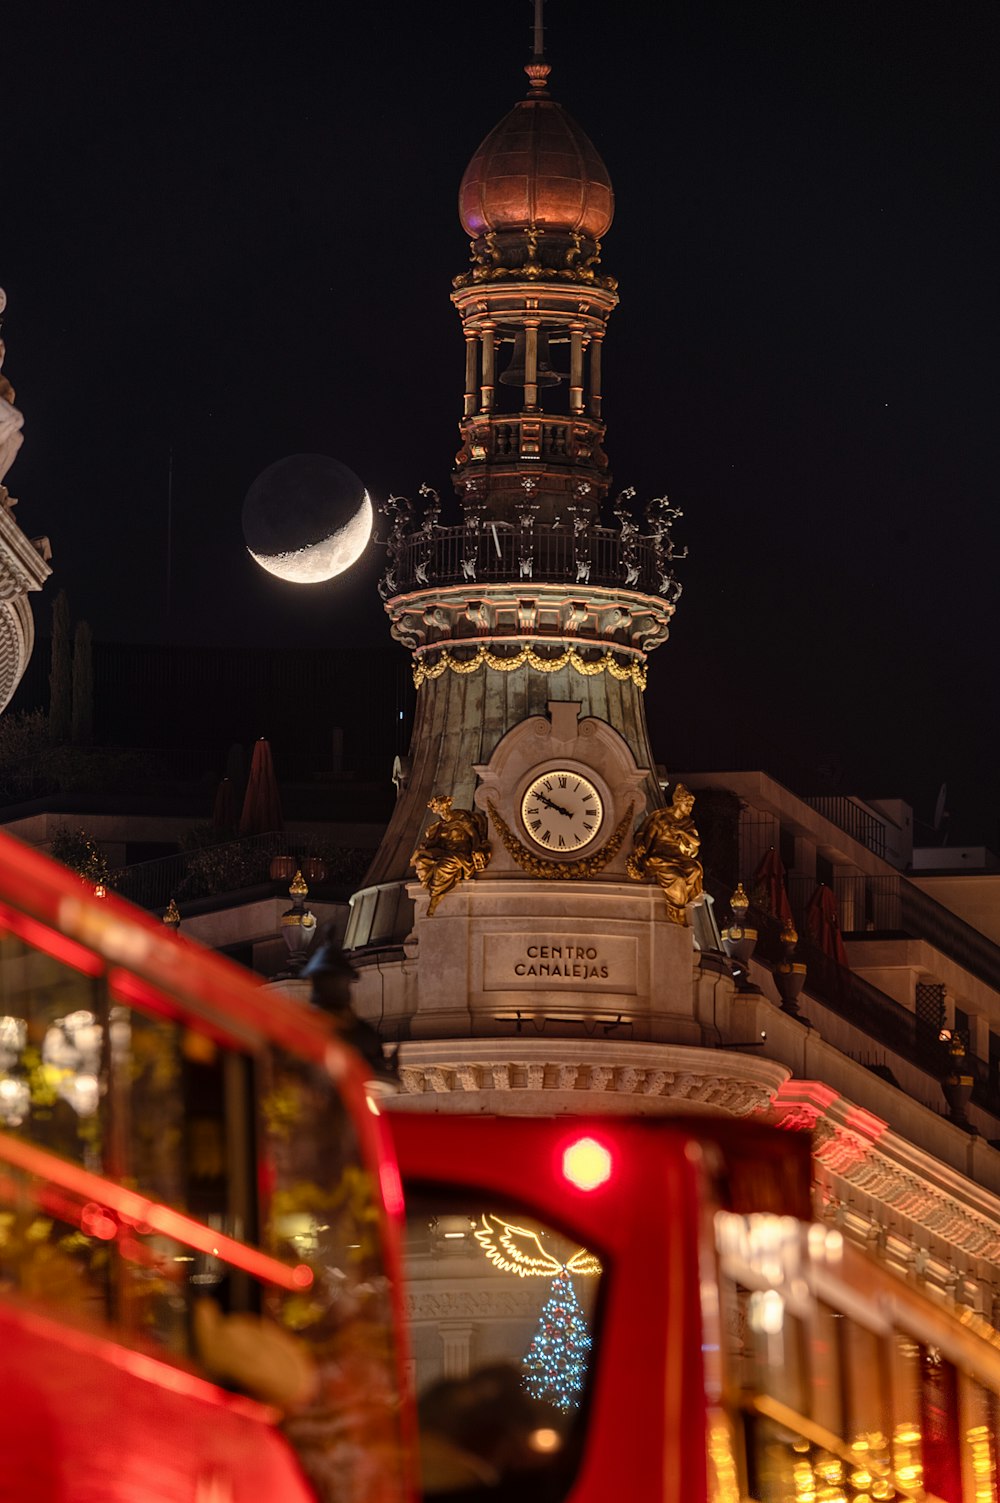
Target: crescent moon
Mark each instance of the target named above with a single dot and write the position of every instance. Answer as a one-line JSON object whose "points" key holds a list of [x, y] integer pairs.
{"points": [[317, 562]]}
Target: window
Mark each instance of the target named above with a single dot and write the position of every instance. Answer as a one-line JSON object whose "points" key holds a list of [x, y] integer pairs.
{"points": [[502, 1332]]}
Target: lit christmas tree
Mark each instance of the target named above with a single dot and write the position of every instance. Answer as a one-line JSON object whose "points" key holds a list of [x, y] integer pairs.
{"points": [[556, 1364]]}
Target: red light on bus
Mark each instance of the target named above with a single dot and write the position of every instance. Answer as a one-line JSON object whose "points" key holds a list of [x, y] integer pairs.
{"points": [[392, 1189], [587, 1164], [95, 1222]]}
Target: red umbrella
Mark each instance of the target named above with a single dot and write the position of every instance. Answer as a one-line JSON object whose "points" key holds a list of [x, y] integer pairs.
{"points": [[226, 809], [767, 888], [262, 804], [824, 925]]}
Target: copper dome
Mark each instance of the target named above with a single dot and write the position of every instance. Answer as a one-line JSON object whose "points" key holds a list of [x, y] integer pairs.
{"points": [[536, 168]]}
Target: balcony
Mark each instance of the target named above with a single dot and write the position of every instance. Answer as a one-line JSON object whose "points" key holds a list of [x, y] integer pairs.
{"points": [[206, 875], [882, 907], [871, 907], [498, 552], [848, 815]]}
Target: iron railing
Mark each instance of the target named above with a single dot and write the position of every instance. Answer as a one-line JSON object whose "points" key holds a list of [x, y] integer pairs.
{"points": [[883, 906], [500, 552], [892, 905], [872, 1012], [848, 815], [235, 866]]}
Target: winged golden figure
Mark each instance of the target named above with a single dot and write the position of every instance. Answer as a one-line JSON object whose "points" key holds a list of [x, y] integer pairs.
{"points": [[518, 1249]]}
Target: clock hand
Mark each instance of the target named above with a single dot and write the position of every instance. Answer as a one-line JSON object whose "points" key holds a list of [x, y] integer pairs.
{"points": [[552, 805]]}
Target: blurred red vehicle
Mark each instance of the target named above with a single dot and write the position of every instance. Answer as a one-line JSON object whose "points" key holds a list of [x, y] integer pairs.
{"points": [[200, 1272]]}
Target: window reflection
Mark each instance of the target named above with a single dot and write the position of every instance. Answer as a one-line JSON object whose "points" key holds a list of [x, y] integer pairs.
{"points": [[52, 1066], [502, 1328]]}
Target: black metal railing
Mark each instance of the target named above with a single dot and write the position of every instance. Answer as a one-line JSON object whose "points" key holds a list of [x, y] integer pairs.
{"points": [[890, 903], [502, 552], [236, 865], [849, 816]]}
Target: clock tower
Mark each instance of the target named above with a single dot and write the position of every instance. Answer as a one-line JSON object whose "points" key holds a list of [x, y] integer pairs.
{"points": [[533, 880]]}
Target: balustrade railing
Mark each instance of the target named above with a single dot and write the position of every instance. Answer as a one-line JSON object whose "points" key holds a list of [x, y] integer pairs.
{"points": [[501, 551], [849, 816], [868, 1009], [892, 905], [235, 866]]}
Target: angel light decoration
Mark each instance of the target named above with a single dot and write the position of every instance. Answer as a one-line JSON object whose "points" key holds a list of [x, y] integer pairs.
{"points": [[555, 1366], [518, 1249]]}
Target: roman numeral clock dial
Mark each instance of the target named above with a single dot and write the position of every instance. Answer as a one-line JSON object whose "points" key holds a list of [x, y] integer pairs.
{"points": [[561, 811]]}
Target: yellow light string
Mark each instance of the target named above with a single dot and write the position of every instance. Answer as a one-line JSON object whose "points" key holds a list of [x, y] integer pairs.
{"points": [[518, 1249]]}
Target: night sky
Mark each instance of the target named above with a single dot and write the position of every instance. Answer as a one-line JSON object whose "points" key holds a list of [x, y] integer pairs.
{"points": [[230, 232]]}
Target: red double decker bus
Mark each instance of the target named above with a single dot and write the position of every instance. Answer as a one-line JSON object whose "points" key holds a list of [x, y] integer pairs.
{"points": [[199, 1280], [208, 1293], [732, 1348]]}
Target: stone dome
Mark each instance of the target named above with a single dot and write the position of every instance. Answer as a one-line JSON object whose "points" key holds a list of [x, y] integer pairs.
{"points": [[537, 168]]}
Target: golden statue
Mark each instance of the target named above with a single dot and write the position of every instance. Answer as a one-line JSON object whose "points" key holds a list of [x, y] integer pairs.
{"points": [[453, 847], [667, 848]]}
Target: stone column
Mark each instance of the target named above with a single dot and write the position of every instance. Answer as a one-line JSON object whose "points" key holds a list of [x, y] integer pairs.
{"points": [[530, 367], [456, 1342], [597, 340], [489, 369], [576, 368], [471, 364]]}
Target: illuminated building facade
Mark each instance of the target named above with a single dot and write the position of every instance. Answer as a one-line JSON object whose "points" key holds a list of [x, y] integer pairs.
{"points": [[533, 929], [24, 562]]}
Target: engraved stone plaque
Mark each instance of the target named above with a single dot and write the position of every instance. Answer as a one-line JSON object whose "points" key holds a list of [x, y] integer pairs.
{"points": [[560, 963]]}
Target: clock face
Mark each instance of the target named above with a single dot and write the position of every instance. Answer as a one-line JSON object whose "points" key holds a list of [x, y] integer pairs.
{"points": [[561, 811]]}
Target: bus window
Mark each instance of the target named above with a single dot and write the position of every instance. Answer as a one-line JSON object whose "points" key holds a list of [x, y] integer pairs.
{"points": [[778, 1349], [502, 1331], [825, 1365], [939, 1425], [320, 1210], [147, 1104], [52, 1064], [907, 1459], [866, 1392], [979, 1452]]}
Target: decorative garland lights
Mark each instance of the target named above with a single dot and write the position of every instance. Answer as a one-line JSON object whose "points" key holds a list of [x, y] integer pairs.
{"points": [[484, 657]]}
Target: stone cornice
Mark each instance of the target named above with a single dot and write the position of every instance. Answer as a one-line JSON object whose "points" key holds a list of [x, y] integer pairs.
{"points": [[597, 1076], [859, 1150], [509, 614], [455, 1303], [22, 566]]}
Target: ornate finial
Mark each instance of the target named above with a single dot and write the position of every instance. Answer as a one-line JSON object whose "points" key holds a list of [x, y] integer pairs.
{"points": [[538, 69], [298, 888], [739, 903], [172, 916]]}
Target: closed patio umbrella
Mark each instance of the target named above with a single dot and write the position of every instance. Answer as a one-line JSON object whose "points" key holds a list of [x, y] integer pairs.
{"points": [[823, 924], [768, 890], [262, 804]]}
